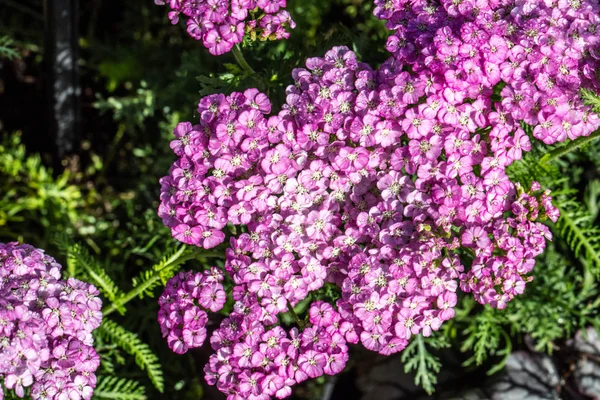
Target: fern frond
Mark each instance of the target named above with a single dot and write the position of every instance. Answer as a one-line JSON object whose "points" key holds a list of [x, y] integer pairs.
{"points": [[112, 387], [576, 227], [6, 48], [79, 258], [591, 99], [148, 280], [483, 338], [529, 169], [114, 333], [417, 358], [211, 84], [161, 272]]}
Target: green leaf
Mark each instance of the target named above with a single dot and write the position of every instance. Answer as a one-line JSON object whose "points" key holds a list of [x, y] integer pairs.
{"points": [[482, 337], [112, 387], [576, 226], [83, 265], [417, 358], [223, 83], [111, 332], [161, 272], [6, 48], [147, 281], [591, 99]]}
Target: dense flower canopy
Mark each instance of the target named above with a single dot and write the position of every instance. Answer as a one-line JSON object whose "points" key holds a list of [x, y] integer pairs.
{"points": [[183, 304], [378, 181], [46, 326], [221, 24], [540, 52]]}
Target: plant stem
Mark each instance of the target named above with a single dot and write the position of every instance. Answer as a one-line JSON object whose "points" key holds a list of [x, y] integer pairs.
{"points": [[298, 320], [572, 146], [239, 57], [176, 258]]}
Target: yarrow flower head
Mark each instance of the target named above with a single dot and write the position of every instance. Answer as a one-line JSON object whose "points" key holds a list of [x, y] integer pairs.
{"points": [[342, 188], [252, 361], [379, 184], [221, 24], [183, 305], [46, 325], [536, 53]]}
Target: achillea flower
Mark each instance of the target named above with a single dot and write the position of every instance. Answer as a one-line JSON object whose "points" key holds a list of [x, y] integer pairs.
{"points": [[182, 316], [221, 24], [46, 325], [375, 181]]}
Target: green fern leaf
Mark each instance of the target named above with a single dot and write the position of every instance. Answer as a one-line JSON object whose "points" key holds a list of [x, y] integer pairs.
{"points": [[79, 258], [112, 387], [576, 227], [111, 332], [148, 280], [591, 99], [417, 358], [6, 48], [161, 272], [530, 169], [482, 337]]}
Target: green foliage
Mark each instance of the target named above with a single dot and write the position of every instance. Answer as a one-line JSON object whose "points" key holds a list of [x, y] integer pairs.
{"points": [[546, 316], [417, 358], [576, 226], [591, 99], [482, 336], [148, 280], [220, 83], [114, 388], [83, 266], [111, 332], [530, 169], [6, 48], [133, 109], [33, 193]]}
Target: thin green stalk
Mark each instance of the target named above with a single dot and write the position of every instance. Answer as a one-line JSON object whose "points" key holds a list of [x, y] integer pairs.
{"points": [[298, 320], [239, 57], [572, 146], [112, 150], [178, 258]]}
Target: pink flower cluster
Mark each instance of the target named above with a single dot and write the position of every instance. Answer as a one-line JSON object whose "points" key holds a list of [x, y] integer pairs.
{"points": [[541, 51], [255, 362], [181, 315], [336, 188], [46, 326], [221, 24], [389, 184]]}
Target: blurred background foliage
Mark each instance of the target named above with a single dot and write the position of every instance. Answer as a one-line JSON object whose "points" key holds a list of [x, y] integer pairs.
{"points": [[95, 210]]}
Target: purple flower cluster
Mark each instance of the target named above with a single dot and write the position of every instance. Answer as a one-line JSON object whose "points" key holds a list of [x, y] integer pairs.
{"points": [[370, 180], [257, 362], [181, 316], [221, 24], [381, 182], [46, 326], [541, 51]]}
